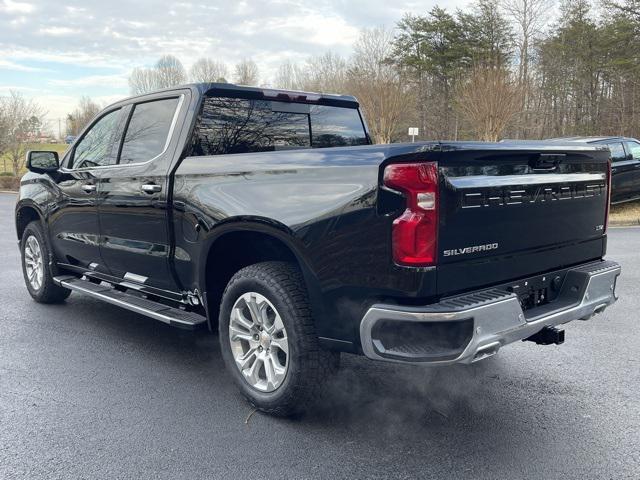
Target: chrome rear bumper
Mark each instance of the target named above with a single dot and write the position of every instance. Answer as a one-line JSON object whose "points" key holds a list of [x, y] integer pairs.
{"points": [[487, 319]]}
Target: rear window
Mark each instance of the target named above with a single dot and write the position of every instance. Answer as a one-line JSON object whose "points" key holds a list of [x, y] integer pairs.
{"points": [[236, 125]]}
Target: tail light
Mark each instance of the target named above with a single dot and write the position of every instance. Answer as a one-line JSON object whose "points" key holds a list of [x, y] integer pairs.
{"points": [[415, 232]]}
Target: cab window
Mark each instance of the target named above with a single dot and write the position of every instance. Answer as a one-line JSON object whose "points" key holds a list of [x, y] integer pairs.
{"points": [[95, 149]]}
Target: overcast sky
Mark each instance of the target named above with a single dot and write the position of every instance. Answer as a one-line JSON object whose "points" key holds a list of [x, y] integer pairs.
{"points": [[57, 51]]}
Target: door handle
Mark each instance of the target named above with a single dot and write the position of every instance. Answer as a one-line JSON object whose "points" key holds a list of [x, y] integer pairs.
{"points": [[151, 188], [89, 188]]}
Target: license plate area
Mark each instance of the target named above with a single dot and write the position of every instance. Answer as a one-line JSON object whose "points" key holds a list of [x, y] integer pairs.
{"points": [[536, 291]]}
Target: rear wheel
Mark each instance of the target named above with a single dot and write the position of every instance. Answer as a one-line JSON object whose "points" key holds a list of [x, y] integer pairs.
{"points": [[36, 267], [268, 339]]}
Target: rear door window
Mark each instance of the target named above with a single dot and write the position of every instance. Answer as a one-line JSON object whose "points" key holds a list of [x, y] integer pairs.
{"points": [[148, 130]]}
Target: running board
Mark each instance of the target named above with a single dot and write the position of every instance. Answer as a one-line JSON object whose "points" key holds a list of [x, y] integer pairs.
{"points": [[159, 311]]}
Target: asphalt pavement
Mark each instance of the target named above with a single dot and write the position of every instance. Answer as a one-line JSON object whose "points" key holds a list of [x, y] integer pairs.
{"points": [[88, 390]]}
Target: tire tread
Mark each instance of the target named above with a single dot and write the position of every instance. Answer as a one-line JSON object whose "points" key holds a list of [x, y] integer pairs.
{"points": [[316, 364], [49, 292]]}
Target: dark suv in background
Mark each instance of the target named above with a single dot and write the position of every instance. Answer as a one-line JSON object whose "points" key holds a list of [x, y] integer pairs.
{"points": [[625, 156]]}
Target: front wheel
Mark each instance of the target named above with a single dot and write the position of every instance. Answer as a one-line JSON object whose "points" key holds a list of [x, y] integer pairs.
{"points": [[268, 339], [36, 268]]}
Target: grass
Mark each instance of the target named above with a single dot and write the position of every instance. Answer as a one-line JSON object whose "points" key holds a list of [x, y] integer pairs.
{"points": [[54, 147], [625, 214]]}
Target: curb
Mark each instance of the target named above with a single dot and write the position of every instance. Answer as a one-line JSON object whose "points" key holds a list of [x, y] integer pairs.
{"points": [[625, 224]]}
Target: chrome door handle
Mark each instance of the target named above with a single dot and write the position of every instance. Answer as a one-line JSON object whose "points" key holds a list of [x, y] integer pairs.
{"points": [[89, 187], [151, 188]]}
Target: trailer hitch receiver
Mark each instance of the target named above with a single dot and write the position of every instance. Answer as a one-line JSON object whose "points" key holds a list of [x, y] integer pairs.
{"points": [[547, 336]]}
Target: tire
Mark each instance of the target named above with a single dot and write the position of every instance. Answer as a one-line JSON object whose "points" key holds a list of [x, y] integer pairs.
{"points": [[37, 265], [277, 290]]}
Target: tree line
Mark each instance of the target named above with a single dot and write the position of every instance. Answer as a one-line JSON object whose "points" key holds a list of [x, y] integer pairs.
{"points": [[169, 71], [500, 68]]}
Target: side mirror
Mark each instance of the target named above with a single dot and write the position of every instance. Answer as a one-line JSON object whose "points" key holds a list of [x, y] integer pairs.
{"points": [[42, 162]]}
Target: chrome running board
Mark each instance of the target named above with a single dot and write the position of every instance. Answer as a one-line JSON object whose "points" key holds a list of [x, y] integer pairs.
{"points": [[159, 311]]}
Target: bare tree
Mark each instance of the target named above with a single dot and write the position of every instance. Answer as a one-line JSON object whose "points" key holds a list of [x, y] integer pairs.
{"points": [[326, 73], [289, 76], [4, 132], [23, 119], [142, 80], [82, 115], [170, 72], [377, 84], [488, 101], [630, 8], [530, 16], [246, 73], [167, 72], [206, 70]]}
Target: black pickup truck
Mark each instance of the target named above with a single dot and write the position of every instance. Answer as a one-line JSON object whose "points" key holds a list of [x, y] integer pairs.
{"points": [[270, 216]]}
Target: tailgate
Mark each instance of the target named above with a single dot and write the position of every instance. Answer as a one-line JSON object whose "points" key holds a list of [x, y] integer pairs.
{"points": [[506, 214]]}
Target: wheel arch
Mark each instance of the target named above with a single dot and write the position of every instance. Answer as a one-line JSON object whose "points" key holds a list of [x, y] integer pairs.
{"points": [[242, 242], [25, 214]]}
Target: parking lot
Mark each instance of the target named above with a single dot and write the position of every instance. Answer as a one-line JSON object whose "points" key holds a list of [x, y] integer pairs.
{"points": [[88, 390]]}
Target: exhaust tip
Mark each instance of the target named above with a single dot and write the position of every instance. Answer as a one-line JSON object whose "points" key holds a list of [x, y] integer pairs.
{"points": [[486, 352], [599, 309]]}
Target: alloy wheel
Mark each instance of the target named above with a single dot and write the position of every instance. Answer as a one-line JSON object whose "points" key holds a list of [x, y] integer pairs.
{"points": [[33, 262], [258, 341]]}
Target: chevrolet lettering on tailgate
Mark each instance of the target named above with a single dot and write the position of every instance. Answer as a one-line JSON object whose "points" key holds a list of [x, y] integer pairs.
{"points": [[531, 194]]}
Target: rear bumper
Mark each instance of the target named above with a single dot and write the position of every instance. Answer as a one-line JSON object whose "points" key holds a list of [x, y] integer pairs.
{"points": [[470, 327]]}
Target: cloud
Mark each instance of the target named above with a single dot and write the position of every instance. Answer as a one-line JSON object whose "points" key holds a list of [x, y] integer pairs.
{"points": [[9, 65], [118, 80], [58, 31], [88, 47], [7, 89], [71, 56], [326, 31], [12, 7], [74, 10], [132, 33]]}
